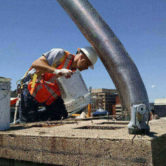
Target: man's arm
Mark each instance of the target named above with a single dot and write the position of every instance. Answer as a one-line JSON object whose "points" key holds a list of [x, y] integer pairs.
{"points": [[41, 65]]}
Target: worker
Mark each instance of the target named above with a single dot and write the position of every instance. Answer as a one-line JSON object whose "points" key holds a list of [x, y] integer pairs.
{"points": [[40, 84]]}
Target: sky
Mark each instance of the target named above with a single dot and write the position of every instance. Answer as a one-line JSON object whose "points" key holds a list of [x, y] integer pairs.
{"points": [[29, 28]]}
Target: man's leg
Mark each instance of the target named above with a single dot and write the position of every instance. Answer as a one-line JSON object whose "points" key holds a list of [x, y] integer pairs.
{"points": [[29, 107], [57, 110]]}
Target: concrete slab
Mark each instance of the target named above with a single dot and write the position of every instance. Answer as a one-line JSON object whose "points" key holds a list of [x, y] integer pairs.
{"points": [[84, 143]]}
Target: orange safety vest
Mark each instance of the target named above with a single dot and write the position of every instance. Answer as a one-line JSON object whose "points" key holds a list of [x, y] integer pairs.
{"points": [[46, 89]]}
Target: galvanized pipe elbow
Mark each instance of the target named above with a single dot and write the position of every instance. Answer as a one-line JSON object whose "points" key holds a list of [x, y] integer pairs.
{"points": [[116, 60]]}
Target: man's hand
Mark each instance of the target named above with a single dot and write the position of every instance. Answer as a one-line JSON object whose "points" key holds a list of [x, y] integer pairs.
{"points": [[63, 72]]}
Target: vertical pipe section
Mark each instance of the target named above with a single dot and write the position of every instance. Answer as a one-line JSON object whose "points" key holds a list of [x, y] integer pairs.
{"points": [[116, 60]]}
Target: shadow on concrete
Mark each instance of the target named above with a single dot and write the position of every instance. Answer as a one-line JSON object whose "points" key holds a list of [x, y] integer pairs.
{"points": [[158, 146], [11, 162], [116, 123], [99, 127], [37, 124], [152, 134]]}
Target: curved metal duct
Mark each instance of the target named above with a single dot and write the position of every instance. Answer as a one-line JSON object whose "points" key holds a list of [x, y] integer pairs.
{"points": [[116, 60]]}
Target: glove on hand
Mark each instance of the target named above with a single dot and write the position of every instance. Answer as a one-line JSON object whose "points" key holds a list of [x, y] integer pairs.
{"points": [[63, 72]]}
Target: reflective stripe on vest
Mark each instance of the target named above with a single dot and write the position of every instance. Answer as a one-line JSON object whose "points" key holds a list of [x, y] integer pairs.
{"points": [[52, 93], [47, 90], [36, 90], [67, 62]]}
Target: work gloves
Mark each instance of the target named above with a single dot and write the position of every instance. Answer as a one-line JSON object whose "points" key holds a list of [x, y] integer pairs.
{"points": [[63, 72]]}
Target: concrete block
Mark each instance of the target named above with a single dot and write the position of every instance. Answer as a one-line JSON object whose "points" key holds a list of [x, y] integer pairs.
{"points": [[101, 144]]}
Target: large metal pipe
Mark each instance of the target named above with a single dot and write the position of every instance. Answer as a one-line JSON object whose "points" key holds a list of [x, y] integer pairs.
{"points": [[116, 60]]}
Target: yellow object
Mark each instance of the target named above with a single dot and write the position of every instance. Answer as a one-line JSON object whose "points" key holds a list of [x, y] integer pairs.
{"points": [[33, 83], [89, 111], [34, 80], [75, 115]]}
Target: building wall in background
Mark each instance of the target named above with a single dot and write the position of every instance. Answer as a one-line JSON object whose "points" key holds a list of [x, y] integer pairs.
{"points": [[103, 98], [160, 107]]}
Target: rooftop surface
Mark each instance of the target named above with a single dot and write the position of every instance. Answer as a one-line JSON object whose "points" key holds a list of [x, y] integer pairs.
{"points": [[92, 128], [63, 142]]}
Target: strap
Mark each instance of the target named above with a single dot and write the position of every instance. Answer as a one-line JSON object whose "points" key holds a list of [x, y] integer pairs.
{"points": [[64, 61], [60, 61], [68, 61], [35, 90]]}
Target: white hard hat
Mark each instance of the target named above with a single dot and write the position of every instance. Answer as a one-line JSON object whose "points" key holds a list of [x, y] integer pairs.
{"points": [[91, 54]]}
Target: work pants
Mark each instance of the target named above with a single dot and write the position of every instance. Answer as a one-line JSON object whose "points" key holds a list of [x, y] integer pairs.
{"points": [[29, 109]]}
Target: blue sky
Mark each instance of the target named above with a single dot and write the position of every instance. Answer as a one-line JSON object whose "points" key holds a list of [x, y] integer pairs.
{"points": [[30, 27]]}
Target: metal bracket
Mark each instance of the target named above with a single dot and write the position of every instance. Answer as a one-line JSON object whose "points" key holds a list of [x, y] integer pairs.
{"points": [[139, 119]]}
